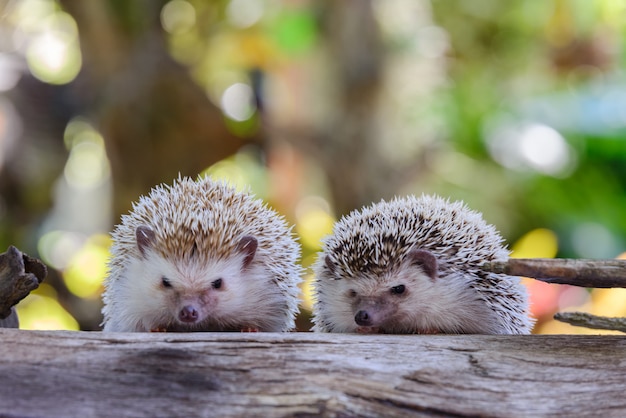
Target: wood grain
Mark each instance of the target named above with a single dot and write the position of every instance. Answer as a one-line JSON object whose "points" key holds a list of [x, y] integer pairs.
{"points": [[60, 374]]}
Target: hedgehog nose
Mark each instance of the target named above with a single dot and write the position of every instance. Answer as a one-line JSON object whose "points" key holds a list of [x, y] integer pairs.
{"points": [[363, 318], [188, 314]]}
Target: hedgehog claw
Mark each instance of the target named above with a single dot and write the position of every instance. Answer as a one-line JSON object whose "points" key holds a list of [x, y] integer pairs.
{"points": [[368, 330], [157, 329], [249, 330]]}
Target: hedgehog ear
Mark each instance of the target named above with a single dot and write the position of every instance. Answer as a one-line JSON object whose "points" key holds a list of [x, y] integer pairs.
{"points": [[426, 261], [329, 263], [145, 238], [247, 246]]}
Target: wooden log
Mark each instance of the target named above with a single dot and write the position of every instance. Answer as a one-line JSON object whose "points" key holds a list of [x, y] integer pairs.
{"points": [[60, 374], [576, 272]]}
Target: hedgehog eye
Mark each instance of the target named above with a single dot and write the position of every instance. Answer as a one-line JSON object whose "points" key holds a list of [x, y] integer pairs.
{"points": [[352, 293], [398, 290], [165, 282], [217, 284]]}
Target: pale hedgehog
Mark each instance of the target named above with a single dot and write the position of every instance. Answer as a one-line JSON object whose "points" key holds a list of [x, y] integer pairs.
{"points": [[201, 256], [413, 265]]}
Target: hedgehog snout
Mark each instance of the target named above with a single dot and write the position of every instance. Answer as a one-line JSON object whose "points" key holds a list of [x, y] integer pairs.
{"points": [[363, 318], [373, 311], [371, 317], [188, 314]]}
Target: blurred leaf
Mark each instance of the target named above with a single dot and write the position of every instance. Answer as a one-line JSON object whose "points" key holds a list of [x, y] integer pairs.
{"points": [[294, 31]]}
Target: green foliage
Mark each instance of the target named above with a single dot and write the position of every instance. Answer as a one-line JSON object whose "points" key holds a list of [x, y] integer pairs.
{"points": [[294, 31], [503, 56]]}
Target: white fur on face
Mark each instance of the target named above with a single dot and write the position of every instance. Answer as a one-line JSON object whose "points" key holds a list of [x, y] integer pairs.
{"points": [[446, 304], [197, 229], [245, 298], [370, 245]]}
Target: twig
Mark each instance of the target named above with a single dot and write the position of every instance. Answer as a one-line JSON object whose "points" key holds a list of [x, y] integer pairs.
{"points": [[576, 272], [581, 319]]}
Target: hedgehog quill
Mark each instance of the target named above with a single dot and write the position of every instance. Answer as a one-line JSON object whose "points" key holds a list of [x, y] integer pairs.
{"points": [[200, 256], [413, 266]]}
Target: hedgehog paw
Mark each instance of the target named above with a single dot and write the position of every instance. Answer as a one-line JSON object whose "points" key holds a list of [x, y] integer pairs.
{"points": [[158, 329], [249, 330], [367, 330]]}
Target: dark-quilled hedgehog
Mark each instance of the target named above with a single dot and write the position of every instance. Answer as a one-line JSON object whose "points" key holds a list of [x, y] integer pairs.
{"points": [[413, 265]]}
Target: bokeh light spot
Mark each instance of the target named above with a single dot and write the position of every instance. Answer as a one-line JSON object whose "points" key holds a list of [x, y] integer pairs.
{"points": [[544, 148], [593, 240], [314, 221], [307, 291], [10, 71], [242, 171], [87, 166], [523, 146], [572, 296], [538, 243], [53, 55], [30, 13], [178, 16], [38, 312], [245, 13], [87, 269], [295, 31], [609, 302], [543, 297], [58, 247], [237, 102]]}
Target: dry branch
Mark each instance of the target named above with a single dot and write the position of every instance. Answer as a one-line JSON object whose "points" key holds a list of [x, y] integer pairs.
{"points": [[10, 321], [576, 272], [19, 275], [582, 319], [61, 374]]}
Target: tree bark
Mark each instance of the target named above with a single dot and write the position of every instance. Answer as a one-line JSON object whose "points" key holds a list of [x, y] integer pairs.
{"points": [[19, 275], [11, 320], [575, 272], [583, 319], [60, 374]]}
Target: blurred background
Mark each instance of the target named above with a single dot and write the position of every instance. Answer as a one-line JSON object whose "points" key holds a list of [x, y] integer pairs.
{"points": [[518, 108]]}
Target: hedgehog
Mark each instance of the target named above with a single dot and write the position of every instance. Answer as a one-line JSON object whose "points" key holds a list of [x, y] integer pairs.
{"points": [[412, 265], [201, 256]]}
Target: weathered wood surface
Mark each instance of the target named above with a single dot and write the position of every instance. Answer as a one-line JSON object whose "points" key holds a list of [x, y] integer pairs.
{"points": [[576, 272], [88, 374]]}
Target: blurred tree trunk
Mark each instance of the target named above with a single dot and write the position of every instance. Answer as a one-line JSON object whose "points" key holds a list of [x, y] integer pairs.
{"points": [[357, 139], [156, 121], [32, 156], [346, 146]]}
